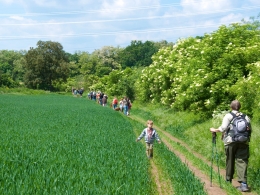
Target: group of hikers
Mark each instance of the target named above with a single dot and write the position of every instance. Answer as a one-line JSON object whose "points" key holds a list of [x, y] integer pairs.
{"points": [[124, 104], [77, 92], [99, 97]]}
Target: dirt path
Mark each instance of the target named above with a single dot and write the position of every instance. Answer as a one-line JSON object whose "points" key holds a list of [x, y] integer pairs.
{"points": [[163, 186], [215, 189]]}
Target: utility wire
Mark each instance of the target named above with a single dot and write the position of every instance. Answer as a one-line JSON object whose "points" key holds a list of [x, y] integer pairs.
{"points": [[133, 19], [110, 33], [106, 10]]}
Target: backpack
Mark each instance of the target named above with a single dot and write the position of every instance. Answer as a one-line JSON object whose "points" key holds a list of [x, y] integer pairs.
{"points": [[240, 128]]}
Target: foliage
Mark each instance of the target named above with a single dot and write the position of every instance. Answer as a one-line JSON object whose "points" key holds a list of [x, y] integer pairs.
{"points": [[119, 83], [12, 65], [45, 64], [7, 81], [197, 74], [245, 90], [108, 57], [139, 54]]}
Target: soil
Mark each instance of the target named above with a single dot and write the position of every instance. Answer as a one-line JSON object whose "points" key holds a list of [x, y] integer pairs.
{"points": [[211, 189]]}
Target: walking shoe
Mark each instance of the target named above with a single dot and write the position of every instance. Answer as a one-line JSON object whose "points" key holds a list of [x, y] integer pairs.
{"points": [[243, 187]]}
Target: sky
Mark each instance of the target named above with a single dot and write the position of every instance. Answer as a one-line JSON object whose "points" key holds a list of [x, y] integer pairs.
{"points": [[89, 25]]}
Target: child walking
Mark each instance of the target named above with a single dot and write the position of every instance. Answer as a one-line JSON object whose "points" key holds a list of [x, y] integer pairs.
{"points": [[150, 135]]}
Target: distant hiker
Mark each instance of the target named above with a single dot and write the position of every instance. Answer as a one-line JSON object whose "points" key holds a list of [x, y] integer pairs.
{"points": [[114, 103], [75, 92], [94, 95], [89, 95], [101, 98], [149, 135], [125, 105], [129, 106], [104, 100], [98, 97], [236, 144], [121, 105], [81, 91]]}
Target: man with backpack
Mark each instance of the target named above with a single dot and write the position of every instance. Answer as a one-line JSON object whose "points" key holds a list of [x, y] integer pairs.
{"points": [[236, 129]]}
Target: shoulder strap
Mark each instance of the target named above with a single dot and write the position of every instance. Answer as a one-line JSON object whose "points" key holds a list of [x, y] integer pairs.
{"points": [[240, 114], [233, 114]]}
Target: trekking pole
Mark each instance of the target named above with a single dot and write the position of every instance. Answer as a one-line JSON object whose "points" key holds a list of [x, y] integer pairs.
{"points": [[217, 158], [212, 155]]}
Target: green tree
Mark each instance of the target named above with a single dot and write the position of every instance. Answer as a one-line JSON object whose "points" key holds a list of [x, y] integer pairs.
{"points": [[45, 64], [119, 83], [139, 54], [109, 60], [11, 64], [74, 64]]}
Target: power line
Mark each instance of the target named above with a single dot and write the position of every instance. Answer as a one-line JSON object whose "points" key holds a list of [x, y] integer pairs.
{"points": [[105, 10], [110, 33], [133, 19]]}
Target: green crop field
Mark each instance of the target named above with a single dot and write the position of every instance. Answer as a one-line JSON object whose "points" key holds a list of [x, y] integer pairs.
{"points": [[54, 144]]}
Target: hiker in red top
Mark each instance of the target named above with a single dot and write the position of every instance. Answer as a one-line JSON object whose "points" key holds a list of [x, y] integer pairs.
{"points": [[114, 103], [150, 135]]}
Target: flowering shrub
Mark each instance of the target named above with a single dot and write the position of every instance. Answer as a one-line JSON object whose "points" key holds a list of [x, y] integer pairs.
{"points": [[202, 74]]}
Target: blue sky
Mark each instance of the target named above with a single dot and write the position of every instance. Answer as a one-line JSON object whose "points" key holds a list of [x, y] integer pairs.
{"points": [[87, 25]]}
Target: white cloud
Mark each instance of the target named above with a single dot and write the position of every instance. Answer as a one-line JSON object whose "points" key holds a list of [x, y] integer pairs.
{"points": [[231, 18], [6, 1], [204, 5], [254, 2], [46, 3], [117, 8], [17, 18]]}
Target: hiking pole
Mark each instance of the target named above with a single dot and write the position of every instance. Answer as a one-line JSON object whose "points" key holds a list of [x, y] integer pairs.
{"points": [[214, 136], [212, 155], [217, 158]]}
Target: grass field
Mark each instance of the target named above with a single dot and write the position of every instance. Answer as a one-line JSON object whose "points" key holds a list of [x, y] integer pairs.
{"points": [[52, 144]]}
